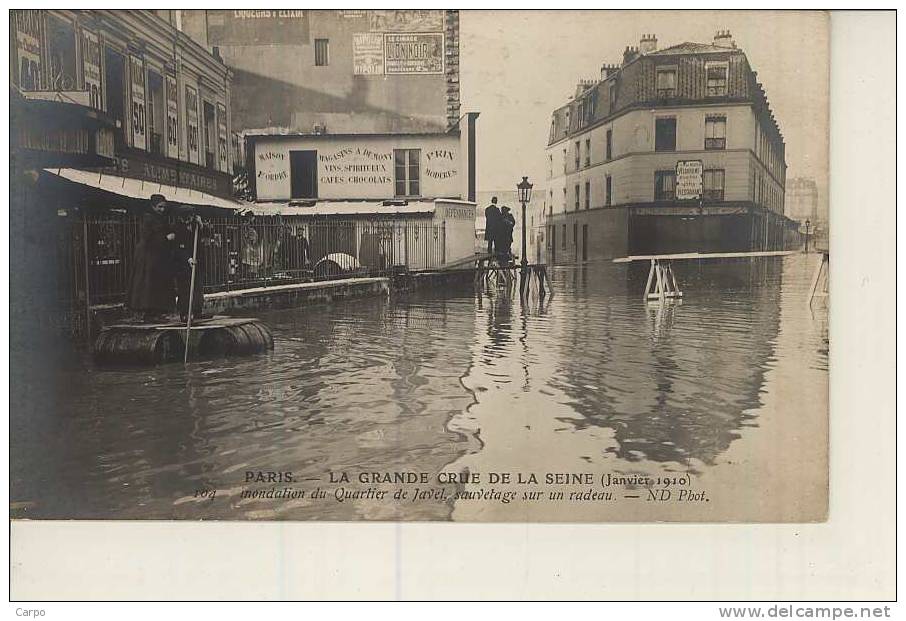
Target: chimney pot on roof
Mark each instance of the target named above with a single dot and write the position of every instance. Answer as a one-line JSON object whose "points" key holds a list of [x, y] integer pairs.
{"points": [[723, 38], [608, 70], [630, 54], [647, 44]]}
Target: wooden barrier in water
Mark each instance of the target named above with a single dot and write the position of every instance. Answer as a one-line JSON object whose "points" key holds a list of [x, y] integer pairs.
{"points": [[155, 343], [662, 284]]}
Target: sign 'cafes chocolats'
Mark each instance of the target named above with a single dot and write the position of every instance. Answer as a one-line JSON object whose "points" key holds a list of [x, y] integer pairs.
{"points": [[356, 166]]}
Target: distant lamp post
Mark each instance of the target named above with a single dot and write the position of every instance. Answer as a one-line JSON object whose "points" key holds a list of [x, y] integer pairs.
{"points": [[808, 223], [525, 195]]}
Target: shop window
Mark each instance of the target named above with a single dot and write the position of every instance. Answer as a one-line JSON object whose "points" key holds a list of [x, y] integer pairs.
{"points": [[406, 170], [713, 185], [665, 134], [665, 185], [715, 133], [322, 52]]}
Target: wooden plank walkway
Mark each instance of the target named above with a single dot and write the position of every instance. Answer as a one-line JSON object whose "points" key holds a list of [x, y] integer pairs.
{"points": [[704, 255]]}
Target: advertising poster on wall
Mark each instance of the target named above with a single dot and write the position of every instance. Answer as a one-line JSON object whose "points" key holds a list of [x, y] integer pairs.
{"points": [[192, 123], [28, 48], [406, 20], [688, 179], [414, 53], [258, 27], [137, 73], [172, 117], [368, 53], [222, 153], [91, 66]]}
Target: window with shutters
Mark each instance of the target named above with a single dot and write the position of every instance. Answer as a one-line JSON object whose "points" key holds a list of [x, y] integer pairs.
{"points": [[715, 133], [716, 76], [322, 52], [666, 82], [713, 184]]}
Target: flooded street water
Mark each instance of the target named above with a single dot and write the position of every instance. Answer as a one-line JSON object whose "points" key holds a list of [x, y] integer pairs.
{"points": [[727, 388]]}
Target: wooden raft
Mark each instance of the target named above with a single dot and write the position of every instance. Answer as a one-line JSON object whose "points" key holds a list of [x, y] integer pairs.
{"points": [[155, 343]]}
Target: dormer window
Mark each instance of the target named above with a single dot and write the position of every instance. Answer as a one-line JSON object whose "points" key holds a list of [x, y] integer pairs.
{"points": [[666, 82], [716, 75]]}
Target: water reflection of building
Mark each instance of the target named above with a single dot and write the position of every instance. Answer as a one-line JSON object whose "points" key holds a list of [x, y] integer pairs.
{"points": [[613, 151], [684, 392]]}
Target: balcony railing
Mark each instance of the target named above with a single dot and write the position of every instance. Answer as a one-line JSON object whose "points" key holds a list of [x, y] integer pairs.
{"points": [[715, 144]]}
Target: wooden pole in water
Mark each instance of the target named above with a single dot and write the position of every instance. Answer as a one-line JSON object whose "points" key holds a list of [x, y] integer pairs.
{"points": [[185, 358]]}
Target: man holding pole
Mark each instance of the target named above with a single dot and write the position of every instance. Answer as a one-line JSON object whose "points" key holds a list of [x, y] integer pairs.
{"points": [[189, 258]]}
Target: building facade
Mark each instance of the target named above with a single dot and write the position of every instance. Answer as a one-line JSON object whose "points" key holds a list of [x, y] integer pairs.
{"points": [[165, 99], [613, 151], [337, 71], [802, 200], [353, 115], [107, 108]]}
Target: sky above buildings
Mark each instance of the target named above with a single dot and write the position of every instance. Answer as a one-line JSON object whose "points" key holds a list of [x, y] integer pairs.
{"points": [[518, 66]]}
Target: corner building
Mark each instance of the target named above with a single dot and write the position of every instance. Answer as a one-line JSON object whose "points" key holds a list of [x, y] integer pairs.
{"points": [[613, 150]]}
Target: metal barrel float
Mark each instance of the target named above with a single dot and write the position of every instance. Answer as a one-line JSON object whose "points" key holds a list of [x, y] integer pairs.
{"points": [[157, 343]]}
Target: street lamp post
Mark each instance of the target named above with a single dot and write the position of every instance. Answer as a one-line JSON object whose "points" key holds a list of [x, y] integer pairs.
{"points": [[807, 224], [525, 195]]}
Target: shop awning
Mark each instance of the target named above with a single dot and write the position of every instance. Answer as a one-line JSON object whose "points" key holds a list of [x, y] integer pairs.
{"points": [[343, 208], [138, 189]]}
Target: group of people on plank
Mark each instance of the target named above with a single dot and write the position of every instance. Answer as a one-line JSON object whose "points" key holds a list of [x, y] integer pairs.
{"points": [[498, 231], [161, 274]]}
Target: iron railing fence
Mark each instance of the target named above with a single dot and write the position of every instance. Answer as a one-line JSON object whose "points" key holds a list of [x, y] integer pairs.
{"points": [[239, 253]]}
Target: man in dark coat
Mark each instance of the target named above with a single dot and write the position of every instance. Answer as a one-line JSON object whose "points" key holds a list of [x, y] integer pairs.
{"points": [[151, 291], [505, 239], [492, 225]]}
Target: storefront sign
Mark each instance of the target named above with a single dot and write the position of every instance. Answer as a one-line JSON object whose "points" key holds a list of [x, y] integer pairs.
{"points": [[222, 153], [178, 176], [688, 179], [414, 53], [28, 47], [407, 20], [355, 166], [172, 93], [272, 165], [137, 74], [192, 123], [91, 66], [368, 53], [257, 27], [440, 164]]}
